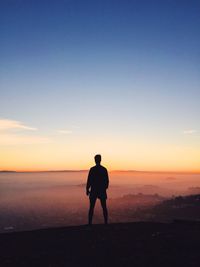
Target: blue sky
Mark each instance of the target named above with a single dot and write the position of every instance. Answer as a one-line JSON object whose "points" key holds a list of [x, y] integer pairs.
{"points": [[95, 68]]}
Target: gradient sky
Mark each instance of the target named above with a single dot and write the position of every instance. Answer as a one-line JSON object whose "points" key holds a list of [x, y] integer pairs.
{"points": [[120, 78]]}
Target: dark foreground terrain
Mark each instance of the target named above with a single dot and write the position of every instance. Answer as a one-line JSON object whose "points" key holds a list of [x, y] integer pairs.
{"points": [[129, 244]]}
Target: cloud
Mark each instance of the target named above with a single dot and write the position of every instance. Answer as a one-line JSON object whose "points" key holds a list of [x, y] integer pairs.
{"points": [[64, 131], [12, 133], [190, 131], [6, 124]]}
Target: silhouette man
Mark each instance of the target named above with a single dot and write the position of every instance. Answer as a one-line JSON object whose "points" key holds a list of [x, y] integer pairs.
{"points": [[96, 186]]}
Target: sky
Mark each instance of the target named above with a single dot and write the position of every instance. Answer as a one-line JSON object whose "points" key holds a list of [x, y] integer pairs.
{"points": [[115, 77]]}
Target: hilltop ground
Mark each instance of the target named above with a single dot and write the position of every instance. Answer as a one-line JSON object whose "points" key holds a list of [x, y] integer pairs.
{"points": [[129, 244]]}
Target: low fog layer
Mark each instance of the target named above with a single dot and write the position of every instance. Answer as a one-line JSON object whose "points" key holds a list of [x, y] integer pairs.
{"points": [[39, 200]]}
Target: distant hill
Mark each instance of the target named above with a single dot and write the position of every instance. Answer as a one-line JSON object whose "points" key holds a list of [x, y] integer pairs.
{"points": [[177, 208], [5, 171]]}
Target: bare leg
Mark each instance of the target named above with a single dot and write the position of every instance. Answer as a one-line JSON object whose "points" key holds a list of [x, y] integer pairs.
{"points": [[91, 210], [105, 211]]}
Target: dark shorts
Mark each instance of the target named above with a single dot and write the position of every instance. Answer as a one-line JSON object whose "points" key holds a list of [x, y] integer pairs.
{"points": [[95, 195], [93, 202]]}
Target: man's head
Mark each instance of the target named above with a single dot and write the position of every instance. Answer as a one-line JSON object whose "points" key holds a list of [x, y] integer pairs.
{"points": [[97, 159]]}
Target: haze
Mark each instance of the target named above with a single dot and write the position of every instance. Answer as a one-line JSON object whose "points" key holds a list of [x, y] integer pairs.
{"points": [[47, 199]]}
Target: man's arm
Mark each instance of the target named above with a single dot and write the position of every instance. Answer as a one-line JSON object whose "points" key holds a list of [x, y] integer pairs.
{"points": [[88, 185], [107, 179]]}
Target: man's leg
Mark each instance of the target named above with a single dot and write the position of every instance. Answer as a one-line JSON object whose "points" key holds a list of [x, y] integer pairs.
{"points": [[105, 211], [91, 209]]}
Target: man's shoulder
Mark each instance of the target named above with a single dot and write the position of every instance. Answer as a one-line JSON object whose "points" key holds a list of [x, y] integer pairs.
{"points": [[104, 168], [94, 168]]}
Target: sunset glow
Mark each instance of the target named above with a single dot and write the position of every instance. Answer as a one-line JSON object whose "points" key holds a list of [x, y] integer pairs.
{"points": [[76, 80]]}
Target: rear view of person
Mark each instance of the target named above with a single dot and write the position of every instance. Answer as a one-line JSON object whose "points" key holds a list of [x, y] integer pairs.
{"points": [[97, 184]]}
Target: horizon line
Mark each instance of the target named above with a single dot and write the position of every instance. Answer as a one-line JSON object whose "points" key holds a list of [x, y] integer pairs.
{"points": [[111, 171]]}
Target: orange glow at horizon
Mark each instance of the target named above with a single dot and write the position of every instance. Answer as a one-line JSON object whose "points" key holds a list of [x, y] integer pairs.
{"points": [[64, 155]]}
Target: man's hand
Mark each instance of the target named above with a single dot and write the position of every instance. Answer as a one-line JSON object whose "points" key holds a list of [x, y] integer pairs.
{"points": [[87, 192]]}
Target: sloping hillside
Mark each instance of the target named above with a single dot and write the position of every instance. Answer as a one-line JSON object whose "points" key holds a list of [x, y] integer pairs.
{"points": [[130, 244]]}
